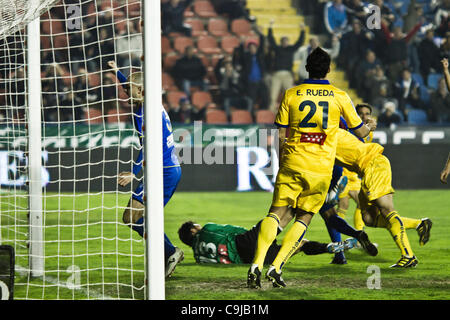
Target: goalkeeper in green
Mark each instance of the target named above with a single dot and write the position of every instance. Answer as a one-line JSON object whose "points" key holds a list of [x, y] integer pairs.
{"points": [[219, 243]]}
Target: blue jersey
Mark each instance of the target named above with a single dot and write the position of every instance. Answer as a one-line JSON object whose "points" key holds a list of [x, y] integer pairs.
{"points": [[169, 157]]}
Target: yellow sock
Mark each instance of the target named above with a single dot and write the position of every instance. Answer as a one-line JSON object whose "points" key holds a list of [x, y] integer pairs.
{"points": [[397, 229], [267, 233], [341, 212], [290, 244], [410, 223], [358, 220]]}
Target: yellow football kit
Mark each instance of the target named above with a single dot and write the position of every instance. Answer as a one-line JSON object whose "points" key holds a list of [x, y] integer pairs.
{"points": [[311, 111]]}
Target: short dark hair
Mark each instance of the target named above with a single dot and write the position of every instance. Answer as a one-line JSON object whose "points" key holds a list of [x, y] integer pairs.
{"points": [[185, 233], [318, 64], [363, 105]]}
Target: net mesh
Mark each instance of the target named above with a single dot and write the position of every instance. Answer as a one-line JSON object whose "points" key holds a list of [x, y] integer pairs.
{"points": [[88, 139]]}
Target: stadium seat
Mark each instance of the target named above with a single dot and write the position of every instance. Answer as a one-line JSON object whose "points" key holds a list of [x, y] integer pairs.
{"points": [[417, 116], [173, 97], [166, 47], [168, 83], [170, 60], [265, 117], [208, 45], [241, 117], [198, 28], [433, 80], [116, 116], [93, 115], [214, 116], [201, 98], [52, 27], [241, 27], [418, 78], [228, 44], [218, 27], [181, 43], [204, 9]]}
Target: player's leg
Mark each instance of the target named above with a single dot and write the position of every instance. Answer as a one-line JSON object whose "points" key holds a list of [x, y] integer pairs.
{"points": [[357, 217], [173, 255], [377, 188], [133, 216], [290, 245]]}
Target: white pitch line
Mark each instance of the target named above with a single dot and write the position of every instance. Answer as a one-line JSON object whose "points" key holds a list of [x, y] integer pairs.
{"points": [[92, 293]]}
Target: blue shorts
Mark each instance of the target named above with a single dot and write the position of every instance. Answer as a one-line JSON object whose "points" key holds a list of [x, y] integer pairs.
{"points": [[337, 174], [171, 177]]}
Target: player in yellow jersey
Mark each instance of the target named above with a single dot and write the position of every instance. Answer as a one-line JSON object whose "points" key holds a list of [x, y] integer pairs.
{"points": [[311, 111], [354, 181], [376, 196]]}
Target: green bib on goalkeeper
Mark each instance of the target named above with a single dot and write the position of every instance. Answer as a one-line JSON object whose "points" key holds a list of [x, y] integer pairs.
{"points": [[215, 243]]}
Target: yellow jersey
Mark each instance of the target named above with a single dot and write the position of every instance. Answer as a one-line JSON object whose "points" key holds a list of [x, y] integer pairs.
{"points": [[353, 154], [312, 111]]}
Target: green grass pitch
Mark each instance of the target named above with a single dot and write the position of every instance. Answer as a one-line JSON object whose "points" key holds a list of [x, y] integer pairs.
{"points": [[109, 262]]}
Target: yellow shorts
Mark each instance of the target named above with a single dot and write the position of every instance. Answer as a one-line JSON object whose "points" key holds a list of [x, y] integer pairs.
{"points": [[300, 190], [377, 181], [353, 183]]}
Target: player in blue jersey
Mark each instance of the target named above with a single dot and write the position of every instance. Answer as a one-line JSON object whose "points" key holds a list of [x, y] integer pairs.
{"points": [[133, 215]]}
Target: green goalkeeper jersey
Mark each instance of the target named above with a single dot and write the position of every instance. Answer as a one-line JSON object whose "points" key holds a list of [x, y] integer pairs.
{"points": [[215, 243]]}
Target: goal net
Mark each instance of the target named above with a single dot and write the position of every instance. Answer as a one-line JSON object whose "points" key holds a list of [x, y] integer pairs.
{"points": [[86, 250]]}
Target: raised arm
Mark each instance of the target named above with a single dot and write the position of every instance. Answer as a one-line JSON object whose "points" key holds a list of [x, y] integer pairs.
{"points": [[446, 72], [301, 38], [120, 76], [446, 170]]}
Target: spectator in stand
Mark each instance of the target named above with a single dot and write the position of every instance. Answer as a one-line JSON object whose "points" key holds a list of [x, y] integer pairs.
{"points": [[189, 71], [356, 10], [254, 70], [386, 12], [406, 91], [365, 71], [440, 104], [185, 112], [397, 48], [231, 92], [353, 48], [389, 117], [429, 56], [445, 47], [233, 8], [303, 53], [442, 18], [384, 95], [282, 77], [335, 17], [377, 85], [172, 17]]}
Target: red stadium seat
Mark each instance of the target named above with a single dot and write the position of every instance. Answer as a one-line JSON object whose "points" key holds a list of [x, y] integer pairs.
{"points": [[208, 45], [170, 60], [167, 82], [241, 117], [204, 9], [265, 117], [241, 27], [201, 99], [229, 44], [173, 97], [214, 116], [181, 43], [198, 28], [94, 116], [166, 47], [218, 27], [116, 116]]}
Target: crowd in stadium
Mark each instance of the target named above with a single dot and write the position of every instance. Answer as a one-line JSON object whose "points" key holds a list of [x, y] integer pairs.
{"points": [[216, 57]]}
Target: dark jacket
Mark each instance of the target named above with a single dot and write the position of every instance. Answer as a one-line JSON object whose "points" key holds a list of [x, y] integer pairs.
{"points": [[190, 69], [284, 56]]}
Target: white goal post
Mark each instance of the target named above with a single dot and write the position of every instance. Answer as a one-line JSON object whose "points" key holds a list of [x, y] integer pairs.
{"points": [[66, 134]]}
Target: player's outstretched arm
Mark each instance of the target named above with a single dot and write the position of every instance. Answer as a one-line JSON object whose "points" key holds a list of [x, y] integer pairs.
{"points": [[446, 72], [446, 171]]}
